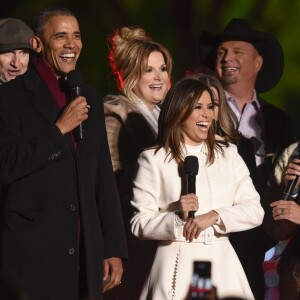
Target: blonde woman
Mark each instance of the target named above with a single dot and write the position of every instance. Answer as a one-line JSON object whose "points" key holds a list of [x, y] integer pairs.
{"points": [[143, 72]]}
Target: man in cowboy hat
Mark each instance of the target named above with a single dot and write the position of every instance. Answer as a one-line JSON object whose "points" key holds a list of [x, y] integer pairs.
{"points": [[249, 62], [15, 46]]}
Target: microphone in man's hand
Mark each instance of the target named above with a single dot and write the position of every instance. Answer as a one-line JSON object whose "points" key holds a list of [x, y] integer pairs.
{"points": [[191, 168], [75, 82], [289, 189]]}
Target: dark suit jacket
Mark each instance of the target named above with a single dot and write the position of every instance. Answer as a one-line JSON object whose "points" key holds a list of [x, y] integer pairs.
{"points": [[251, 245], [278, 133], [47, 188]]}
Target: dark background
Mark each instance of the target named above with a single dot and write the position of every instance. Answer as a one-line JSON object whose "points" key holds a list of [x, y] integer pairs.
{"points": [[177, 24]]}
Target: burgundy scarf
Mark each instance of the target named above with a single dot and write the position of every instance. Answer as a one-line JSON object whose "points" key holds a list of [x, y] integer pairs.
{"points": [[53, 84], [58, 94], [51, 81]]}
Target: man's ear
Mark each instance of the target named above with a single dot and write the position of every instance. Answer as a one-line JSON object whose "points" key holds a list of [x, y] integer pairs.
{"points": [[36, 44], [258, 63]]}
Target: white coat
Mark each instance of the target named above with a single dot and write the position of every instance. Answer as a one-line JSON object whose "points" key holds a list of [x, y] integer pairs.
{"points": [[226, 187]]}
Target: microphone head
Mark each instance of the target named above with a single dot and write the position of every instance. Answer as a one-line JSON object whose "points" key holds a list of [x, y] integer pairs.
{"points": [[191, 165], [74, 79]]}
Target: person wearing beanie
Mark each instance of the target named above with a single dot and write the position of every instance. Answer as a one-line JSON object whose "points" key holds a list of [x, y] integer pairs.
{"points": [[15, 46]]}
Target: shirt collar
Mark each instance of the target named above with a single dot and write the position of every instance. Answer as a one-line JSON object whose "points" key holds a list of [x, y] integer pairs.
{"points": [[254, 99], [2, 80]]}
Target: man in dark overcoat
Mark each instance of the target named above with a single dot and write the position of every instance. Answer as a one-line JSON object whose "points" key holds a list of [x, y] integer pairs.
{"points": [[61, 228]]}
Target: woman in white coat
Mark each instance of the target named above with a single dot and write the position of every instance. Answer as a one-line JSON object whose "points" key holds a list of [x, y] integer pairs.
{"points": [[226, 199]]}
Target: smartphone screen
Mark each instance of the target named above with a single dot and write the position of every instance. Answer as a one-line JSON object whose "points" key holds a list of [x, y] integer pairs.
{"points": [[201, 281]]}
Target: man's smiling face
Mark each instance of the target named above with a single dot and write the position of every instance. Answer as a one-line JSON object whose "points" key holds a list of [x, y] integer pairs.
{"points": [[61, 44], [237, 62]]}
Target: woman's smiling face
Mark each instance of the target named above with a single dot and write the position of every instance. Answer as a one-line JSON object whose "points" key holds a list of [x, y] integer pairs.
{"points": [[155, 82], [195, 127]]}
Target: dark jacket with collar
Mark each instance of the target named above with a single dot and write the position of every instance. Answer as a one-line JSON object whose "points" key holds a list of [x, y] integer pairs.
{"points": [[251, 245], [47, 188], [278, 133]]}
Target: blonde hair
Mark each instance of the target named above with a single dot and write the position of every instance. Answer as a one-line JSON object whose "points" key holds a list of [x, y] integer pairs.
{"points": [[129, 49]]}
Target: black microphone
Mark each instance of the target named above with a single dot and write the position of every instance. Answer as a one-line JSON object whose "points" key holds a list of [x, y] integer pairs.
{"points": [[288, 191], [75, 82], [191, 168]]}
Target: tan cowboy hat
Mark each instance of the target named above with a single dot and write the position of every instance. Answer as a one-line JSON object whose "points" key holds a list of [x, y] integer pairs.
{"points": [[240, 30]]}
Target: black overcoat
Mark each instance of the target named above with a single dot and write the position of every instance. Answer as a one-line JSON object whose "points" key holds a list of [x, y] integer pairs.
{"points": [[48, 189], [251, 245]]}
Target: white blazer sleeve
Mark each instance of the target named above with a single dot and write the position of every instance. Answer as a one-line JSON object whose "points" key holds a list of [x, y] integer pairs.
{"points": [[246, 211], [150, 221]]}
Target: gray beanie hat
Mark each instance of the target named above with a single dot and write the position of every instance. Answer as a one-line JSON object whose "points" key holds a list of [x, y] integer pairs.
{"points": [[14, 34]]}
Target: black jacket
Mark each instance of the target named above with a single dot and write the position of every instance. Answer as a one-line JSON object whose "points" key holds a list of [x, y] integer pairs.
{"points": [[47, 188], [251, 245]]}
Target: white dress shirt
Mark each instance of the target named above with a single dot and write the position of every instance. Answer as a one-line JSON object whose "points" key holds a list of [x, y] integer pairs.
{"points": [[250, 124]]}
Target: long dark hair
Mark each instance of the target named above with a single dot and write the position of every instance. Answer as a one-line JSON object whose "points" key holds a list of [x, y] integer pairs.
{"points": [[225, 124], [176, 108]]}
